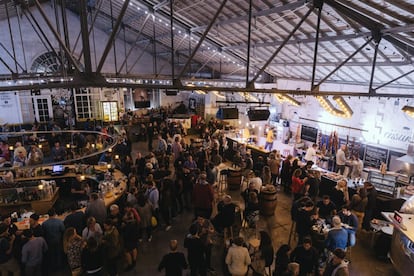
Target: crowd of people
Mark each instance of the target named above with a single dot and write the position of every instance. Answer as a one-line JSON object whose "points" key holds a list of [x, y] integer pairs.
{"points": [[175, 177]]}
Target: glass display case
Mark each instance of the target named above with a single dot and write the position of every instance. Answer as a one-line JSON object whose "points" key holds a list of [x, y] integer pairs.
{"points": [[385, 183], [38, 196], [31, 191]]}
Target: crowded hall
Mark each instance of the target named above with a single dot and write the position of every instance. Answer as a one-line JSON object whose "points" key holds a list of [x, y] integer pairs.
{"points": [[201, 138]]}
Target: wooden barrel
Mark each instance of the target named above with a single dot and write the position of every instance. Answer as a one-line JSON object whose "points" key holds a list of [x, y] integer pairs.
{"points": [[233, 180], [268, 202]]}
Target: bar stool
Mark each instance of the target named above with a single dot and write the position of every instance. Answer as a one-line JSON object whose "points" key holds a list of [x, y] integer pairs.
{"points": [[223, 181]]}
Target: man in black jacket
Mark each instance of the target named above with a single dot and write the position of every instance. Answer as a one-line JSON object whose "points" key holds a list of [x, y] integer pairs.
{"points": [[173, 262]]}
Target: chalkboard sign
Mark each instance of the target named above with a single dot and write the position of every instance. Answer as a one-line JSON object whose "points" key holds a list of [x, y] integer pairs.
{"points": [[309, 133], [374, 156]]}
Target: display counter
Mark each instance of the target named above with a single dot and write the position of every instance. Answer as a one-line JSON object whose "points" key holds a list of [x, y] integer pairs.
{"points": [[25, 198], [234, 143], [402, 243], [39, 193]]}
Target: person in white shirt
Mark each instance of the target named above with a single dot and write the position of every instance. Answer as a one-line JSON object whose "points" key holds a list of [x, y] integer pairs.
{"points": [[311, 153], [254, 181], [357, 167], [341, 160]]}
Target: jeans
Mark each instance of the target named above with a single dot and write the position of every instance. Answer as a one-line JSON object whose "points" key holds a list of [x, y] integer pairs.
{"points": [[268, 145]]}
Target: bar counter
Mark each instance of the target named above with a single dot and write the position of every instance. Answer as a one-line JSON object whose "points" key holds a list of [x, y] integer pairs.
{"points": [[41, 206]]}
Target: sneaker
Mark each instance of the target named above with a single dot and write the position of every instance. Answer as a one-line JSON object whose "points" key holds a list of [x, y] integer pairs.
{"points": [[168, 228], [150, 238]]}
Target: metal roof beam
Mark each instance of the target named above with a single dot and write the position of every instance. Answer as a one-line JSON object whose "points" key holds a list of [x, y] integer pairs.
{"points": [[58, 38], [318, 4], [335, 64], [133, 45], [200, 42], [83, 82], [356, 16], [280, 47], [371, 90], [296, 41], [401, 45], [397, 78], [273, 10], [340, 65], [112, 37]]}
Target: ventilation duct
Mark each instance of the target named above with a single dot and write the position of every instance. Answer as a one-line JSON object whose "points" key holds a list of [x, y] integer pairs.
{"points": [[409, 157]]}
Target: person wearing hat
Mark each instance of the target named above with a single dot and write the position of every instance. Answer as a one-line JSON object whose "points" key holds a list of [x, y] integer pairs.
{"points": [[7, 262], [35, 225], [337, 266], [32, 253]]}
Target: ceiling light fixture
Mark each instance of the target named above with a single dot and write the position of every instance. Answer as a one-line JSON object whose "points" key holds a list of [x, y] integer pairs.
{"points": [[218, 95], [248, 96], [344, 109], [288, 99], [409, 110]]}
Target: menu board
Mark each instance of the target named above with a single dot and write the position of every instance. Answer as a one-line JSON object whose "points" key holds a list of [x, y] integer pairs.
{"points": [[374, 156]]}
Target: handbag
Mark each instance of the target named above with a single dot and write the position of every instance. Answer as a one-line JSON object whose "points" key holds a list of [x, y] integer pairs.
{"points": [[154, 221]]}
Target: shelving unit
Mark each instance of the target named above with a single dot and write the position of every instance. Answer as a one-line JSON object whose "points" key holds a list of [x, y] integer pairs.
{"points": [[385, 183]]}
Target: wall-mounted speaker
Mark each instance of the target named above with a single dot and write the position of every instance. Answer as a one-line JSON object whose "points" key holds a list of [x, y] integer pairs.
{"points": [[258, 114], [142, 104], [227, 113], [171, 92]]}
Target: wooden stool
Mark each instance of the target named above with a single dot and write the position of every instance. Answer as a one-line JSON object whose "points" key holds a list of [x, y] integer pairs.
{"points": [[223, 181]]}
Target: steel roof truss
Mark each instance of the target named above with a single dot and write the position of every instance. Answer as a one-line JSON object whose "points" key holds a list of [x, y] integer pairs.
{"points": [[58, 38], [112, 36], [200, 42]]}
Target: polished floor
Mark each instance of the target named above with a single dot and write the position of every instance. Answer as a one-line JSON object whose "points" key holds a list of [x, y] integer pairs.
{"points": [[363, 256]]}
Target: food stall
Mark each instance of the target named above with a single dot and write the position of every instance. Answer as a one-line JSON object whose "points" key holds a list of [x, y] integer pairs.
{"points": [[402, 243]]}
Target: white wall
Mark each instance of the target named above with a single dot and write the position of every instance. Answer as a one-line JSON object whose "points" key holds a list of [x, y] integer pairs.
{"points": [[381, 120]]}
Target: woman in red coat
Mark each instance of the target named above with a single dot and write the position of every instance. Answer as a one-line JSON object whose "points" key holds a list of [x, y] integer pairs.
{"points": [[298, 185]]}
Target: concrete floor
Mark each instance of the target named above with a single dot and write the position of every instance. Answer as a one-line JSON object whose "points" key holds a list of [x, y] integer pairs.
{"points": [[363, 260]]}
